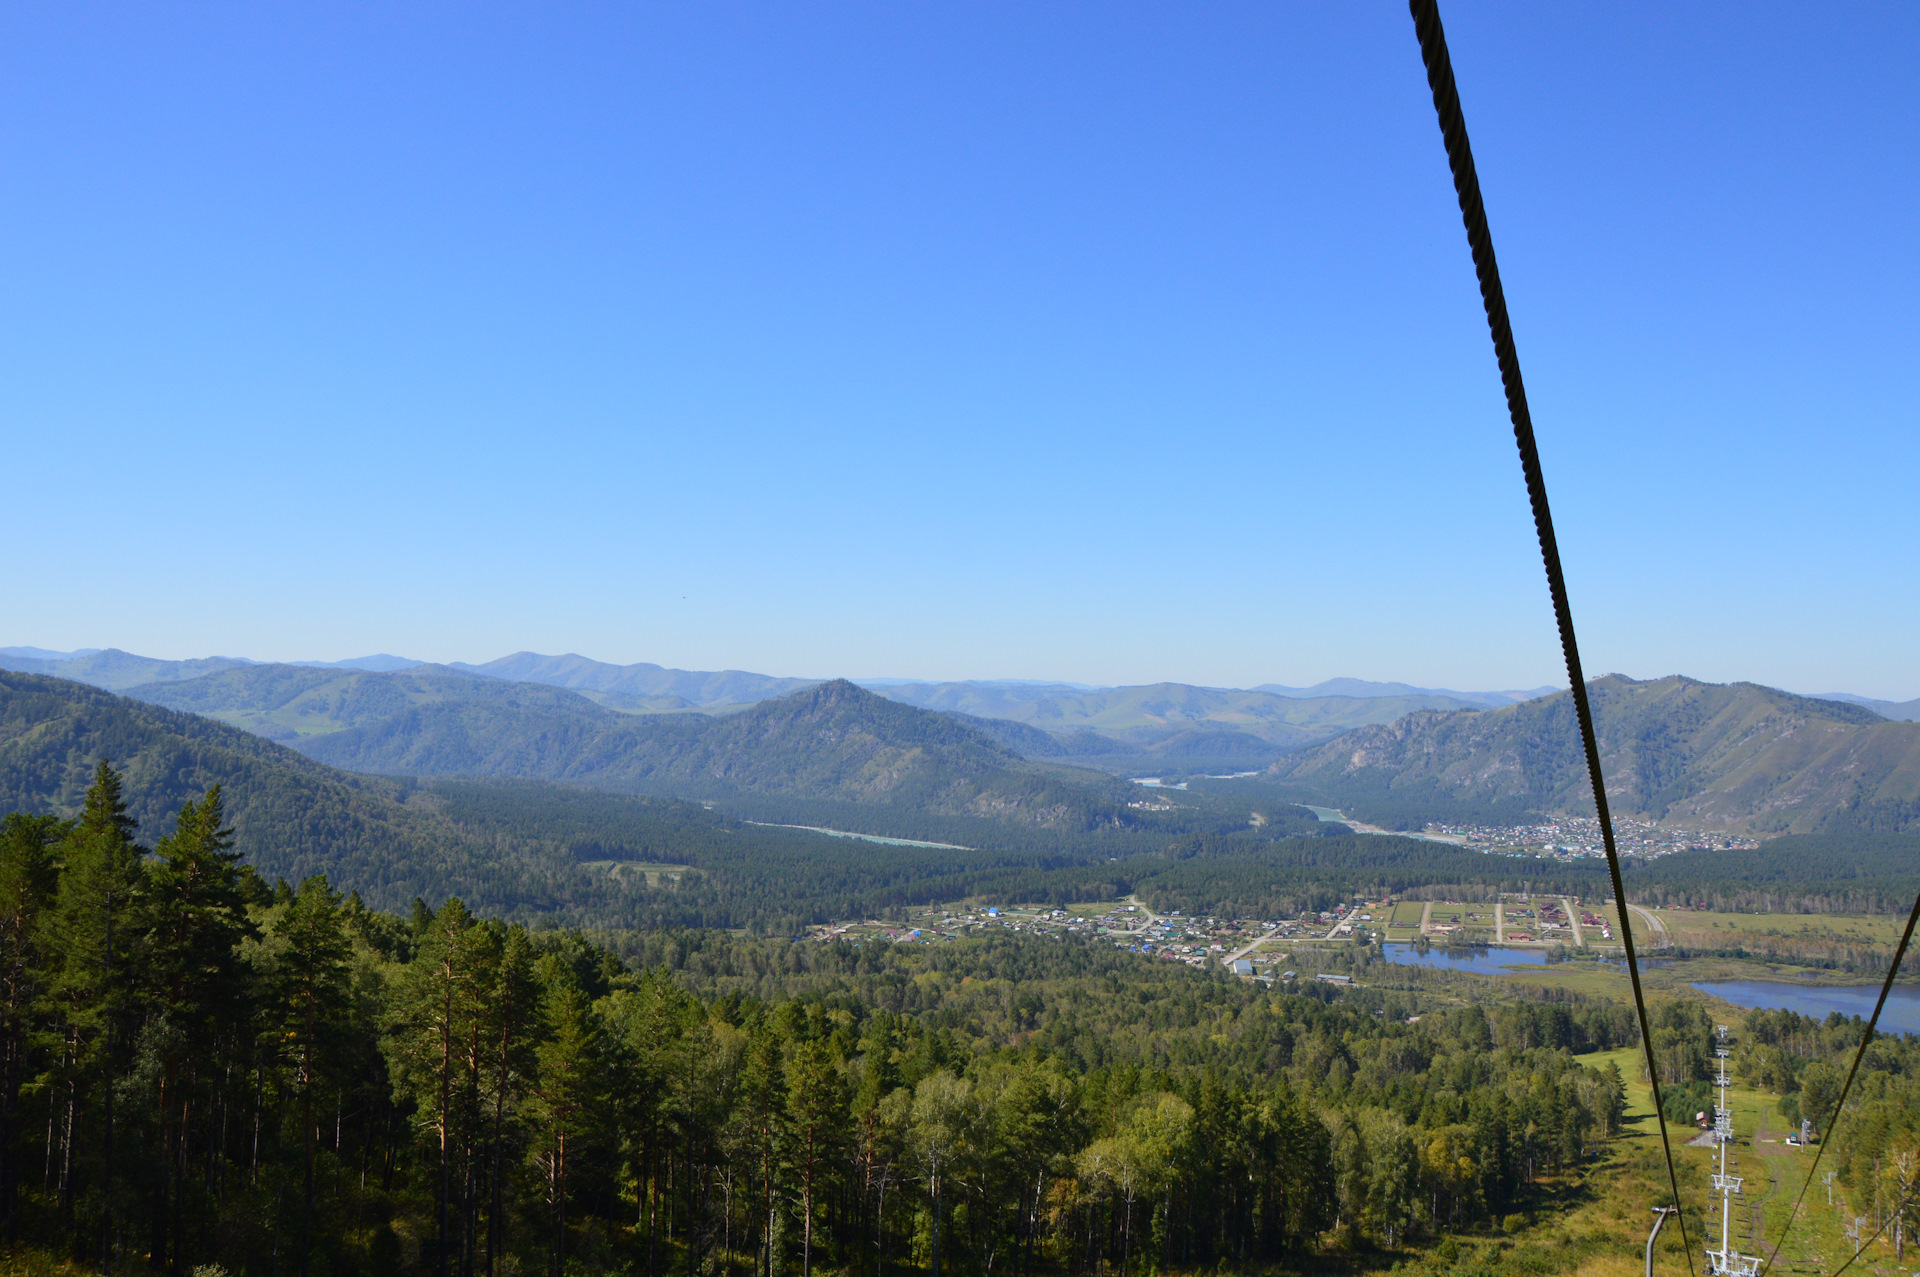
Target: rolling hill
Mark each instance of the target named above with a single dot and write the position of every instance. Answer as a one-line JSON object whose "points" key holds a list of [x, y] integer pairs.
{"points": [[641, 686], [292, 703], [1366, 688], [116, 670], [831, 742], [1896, 711], [292, 816], [527, 848], [1156, 712], [1736, 756]]}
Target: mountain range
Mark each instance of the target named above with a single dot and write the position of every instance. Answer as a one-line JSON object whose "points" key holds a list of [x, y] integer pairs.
{"points": [[1735, 756], [1118, 728]]}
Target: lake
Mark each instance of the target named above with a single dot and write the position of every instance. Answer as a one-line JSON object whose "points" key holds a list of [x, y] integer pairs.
{"points": [[1477, 961], [1901, 1016]]}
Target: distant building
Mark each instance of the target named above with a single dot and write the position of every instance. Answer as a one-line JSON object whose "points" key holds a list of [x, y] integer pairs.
{"points": [[1242, 967]]}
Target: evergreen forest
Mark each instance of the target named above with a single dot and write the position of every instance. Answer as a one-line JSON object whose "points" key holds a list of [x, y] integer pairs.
{"points": [[204, 1073], [202, 1069]]}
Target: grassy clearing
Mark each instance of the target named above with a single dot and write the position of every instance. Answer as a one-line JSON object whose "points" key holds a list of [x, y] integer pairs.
{"points": [[633, 870], [1406, 913], [1772, 1172], [1845, 928]]}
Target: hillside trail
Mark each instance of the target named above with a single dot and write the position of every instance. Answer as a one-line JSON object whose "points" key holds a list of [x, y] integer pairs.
{"points": [[1784, 1167]]}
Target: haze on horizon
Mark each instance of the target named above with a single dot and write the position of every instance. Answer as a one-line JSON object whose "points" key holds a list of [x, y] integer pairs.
{"points": [[1111, 346]]}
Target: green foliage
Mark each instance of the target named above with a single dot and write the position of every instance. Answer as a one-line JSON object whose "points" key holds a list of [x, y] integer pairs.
{"points": [[1672, 748], [308, 1085]]}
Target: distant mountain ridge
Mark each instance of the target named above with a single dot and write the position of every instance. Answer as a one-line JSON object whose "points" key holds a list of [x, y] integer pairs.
{"points": [[292, 816], [1156, 727], [1164, 725], [1894, 711], [1363, 688], [1154, 713], [686, 688], [829, 742], [833, 741], [1736, 756]]}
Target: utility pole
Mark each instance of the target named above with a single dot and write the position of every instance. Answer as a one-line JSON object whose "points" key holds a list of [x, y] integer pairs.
{"points": [[1660, 1214]]}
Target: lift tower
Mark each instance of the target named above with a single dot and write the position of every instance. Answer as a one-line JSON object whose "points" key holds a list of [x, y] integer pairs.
{"points": [[1726, 1262]]}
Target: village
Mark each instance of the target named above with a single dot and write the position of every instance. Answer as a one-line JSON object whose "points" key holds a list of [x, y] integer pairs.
{"points": [[1255, 948], [1578, 837]]}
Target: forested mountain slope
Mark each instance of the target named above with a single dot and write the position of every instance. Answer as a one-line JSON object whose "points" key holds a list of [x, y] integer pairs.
{"points": [[290, 702], [291, 815], [387, 839], [833, 742], [1735, 756], [639, 682], [1148, 714], [1898, 711], [116, 670]]}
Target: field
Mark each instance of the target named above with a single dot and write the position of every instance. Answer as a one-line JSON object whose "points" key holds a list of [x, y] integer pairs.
{"points": [[1406, 913], [633, 871], [1473, 922]]}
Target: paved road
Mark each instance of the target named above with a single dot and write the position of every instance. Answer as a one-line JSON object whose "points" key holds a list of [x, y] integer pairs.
{"points": [[1245, 949], [1499, 923], [1661, 940]]}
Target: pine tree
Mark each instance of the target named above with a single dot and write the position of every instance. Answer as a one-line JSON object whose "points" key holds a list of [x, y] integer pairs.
{"points": [[763, 1105], [513, 1032], [310, 973], [569, 1097], [196, 919], [29, 874], [198, 916], [816, 1107], [433, 1049], [93, 931]]}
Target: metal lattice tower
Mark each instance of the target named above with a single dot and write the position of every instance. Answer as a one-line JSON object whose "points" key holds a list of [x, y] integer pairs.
{"points": [[1726, 1262]]}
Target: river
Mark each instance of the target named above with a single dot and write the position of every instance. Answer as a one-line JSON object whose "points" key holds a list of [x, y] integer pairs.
{"points": [[1902, 1014]]}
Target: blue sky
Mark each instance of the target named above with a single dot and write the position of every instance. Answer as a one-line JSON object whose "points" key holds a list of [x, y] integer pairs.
{"points": [[1108, 342]]}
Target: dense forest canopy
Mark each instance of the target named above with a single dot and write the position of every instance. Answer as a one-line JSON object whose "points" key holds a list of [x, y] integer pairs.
{"points": [[203, 1067]]}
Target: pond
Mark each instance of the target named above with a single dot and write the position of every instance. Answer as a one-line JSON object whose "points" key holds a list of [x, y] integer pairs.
{"points": [[1478, 961], [1901, 1016]]}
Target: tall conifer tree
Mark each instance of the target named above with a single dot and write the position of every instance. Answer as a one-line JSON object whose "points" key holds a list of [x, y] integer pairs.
{"points": [[93, 929]]}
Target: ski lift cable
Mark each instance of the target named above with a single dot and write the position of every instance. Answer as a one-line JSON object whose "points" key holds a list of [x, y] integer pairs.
{"points": [[1886, 987], [1878, 1233], [1466, 185]]}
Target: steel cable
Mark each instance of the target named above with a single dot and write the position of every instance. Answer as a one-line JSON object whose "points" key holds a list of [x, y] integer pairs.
{"points": [[1466, 185], [1886, 987], [1878, 1233]]}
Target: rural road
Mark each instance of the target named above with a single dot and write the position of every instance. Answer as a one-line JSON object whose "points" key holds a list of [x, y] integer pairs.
{"points": [[1661, 939], [1244, 949]]}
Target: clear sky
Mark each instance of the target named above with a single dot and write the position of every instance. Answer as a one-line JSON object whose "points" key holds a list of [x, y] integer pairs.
{"points": [[1105, 342]]}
